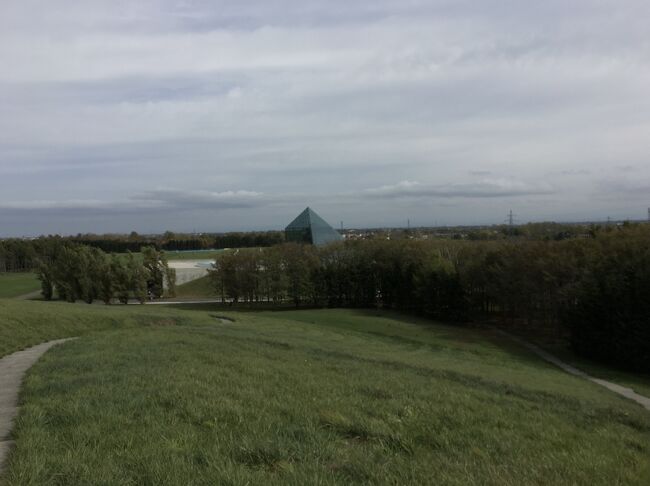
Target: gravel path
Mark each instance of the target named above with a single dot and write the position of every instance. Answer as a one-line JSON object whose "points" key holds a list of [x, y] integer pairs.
{"points": [[12, 370], [621, 390]]}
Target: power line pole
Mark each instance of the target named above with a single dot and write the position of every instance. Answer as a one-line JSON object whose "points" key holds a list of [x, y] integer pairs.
{"points": [[510, 220]]}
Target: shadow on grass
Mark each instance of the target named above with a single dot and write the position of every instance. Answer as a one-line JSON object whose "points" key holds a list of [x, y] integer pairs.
{"points": [[457, 333]]}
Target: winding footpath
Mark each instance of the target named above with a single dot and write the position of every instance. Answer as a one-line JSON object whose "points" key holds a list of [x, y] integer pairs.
{"points": [[12, 370], [621, 390]]}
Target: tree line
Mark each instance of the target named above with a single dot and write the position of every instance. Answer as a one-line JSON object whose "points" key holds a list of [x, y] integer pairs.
{"points": [[78, 272], [595, 291], [21, 255], [170, 241]]}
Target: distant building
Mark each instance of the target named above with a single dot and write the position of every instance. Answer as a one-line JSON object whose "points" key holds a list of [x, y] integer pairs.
{"points": [[310, 228]]}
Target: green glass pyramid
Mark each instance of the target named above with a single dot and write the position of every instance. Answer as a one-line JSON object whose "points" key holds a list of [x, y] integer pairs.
{"points": [[309, 227]]}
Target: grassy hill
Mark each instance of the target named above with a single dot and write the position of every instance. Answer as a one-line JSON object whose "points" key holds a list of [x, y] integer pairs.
{"points": [[172, 396], [26, 323], [201, 288], [17, 284]]}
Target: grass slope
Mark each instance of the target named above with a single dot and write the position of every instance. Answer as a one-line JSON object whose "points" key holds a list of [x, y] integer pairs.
{"points": [[17, 284], [316, 397], [201, 288], [640, 383], [26, 323]]}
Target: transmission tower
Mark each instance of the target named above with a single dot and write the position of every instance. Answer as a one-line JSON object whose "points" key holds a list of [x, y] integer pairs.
{"points": [[510, 221]]}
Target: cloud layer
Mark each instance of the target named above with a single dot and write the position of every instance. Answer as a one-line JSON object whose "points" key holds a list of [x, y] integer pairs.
{"points": [[487, 188], [252, 110]]}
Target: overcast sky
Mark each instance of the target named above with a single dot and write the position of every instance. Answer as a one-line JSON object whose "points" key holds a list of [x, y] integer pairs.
{"points": [[148, 115]]}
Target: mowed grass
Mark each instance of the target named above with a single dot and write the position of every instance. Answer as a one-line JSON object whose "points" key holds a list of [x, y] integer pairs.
{"points": [[17, 284], [316, 397]]}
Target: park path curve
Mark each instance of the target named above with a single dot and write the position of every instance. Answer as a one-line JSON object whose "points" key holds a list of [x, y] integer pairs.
{"points": [[12, 370], [616, 388], [35, 294]]}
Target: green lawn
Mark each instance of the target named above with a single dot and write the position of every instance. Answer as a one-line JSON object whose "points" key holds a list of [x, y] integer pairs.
{"points": [[310, 397], [193, 255], [26, 323], [201, 288], [17, 284]]}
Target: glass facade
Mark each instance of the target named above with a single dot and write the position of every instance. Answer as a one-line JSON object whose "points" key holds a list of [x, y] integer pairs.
{"points": [[310, 228]]}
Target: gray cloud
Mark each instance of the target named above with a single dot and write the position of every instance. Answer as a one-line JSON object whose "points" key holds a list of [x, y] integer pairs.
{"points": [[177, 199], [624, 188], [488, 188], [314, 102], [159, 199]]}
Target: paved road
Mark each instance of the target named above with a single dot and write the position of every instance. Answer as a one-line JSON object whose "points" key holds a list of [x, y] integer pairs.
{"points": [[12, 370]]}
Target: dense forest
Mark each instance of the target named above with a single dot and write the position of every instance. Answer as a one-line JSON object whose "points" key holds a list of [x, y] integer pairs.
{"points": [[595, 291]]}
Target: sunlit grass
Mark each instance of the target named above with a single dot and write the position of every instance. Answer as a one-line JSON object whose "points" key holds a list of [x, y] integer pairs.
{"points": [[26, 323], [316, 397]]}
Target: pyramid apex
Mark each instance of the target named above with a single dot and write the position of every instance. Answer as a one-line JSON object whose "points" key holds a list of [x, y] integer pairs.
{"points": [[309, 227]]}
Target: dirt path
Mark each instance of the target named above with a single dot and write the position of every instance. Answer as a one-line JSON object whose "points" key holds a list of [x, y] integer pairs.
{"points": [[31, 295], [621, 390], [12, 370]]}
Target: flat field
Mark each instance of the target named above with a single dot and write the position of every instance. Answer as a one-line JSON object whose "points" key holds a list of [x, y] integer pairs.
{"points": [[17, 284], [167, 396]]}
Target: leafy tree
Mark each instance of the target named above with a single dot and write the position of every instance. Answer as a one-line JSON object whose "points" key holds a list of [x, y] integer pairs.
{"points": [[123, 278], [300, 261], [44, 274]]}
